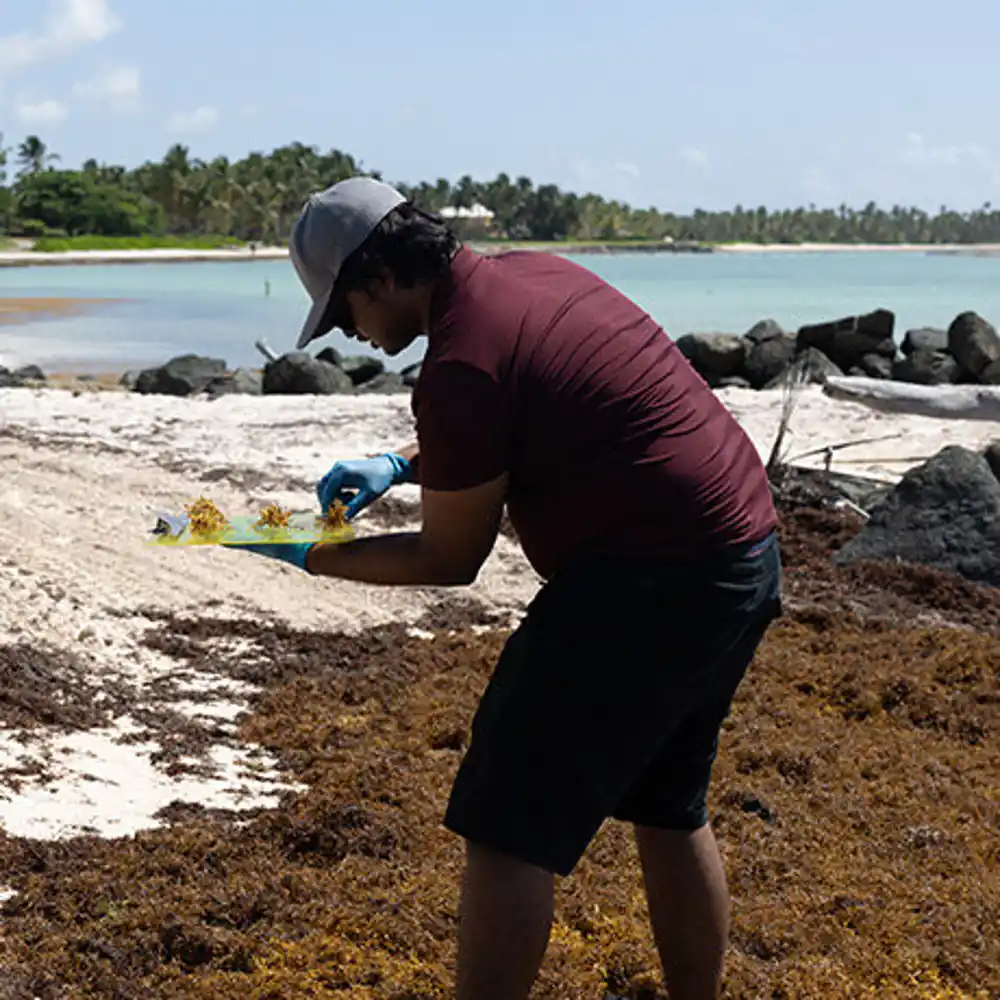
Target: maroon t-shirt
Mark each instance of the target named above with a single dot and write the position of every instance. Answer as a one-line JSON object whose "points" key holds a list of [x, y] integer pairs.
{"points": [[613, 443]]}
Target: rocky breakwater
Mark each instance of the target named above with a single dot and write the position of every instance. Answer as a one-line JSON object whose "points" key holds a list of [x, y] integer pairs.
{"points": [[968, 352], [295, 373]]}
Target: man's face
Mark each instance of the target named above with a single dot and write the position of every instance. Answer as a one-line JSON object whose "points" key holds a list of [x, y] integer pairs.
{"points": [[384, 316]]}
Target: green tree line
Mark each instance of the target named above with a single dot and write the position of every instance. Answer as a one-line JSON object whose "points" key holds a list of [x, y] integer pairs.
{"points": [[258, 198]]}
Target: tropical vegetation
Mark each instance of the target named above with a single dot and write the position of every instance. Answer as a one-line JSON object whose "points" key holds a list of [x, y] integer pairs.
{"points": [[184, 201]]}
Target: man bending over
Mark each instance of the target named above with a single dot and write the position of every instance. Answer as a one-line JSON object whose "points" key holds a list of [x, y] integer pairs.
{"points": [[643, 506]]}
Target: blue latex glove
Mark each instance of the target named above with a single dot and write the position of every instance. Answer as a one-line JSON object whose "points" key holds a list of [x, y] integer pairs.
{"points": [[293, 553], [366, 478]]}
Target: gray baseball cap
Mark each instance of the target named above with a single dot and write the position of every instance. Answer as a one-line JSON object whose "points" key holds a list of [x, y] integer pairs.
{"points": [[333, 224]]}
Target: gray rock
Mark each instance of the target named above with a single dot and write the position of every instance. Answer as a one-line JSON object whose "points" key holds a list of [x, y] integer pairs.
{"points": [[927, 337], [991, 374], [298, 373], [242, 382], [330, 355], [766, 329], [714, 355], [362, 368], [129, 379], [184, 375], [845, 341], [944, 514], [875, 366], [767, 359], [926, 367], [8, 380], [411, 374], [992, 456], [813, 365], [384, 383], [973, 343], [29, 373]]}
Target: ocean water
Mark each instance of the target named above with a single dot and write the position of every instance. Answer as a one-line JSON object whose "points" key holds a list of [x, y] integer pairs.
{"points": [[220, 309]]}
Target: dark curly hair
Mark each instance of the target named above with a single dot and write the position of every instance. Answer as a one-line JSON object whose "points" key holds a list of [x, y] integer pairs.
{"points": [[413, 245]]}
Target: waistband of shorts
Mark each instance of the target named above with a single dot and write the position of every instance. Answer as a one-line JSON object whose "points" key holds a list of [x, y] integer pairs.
{"points": [[757, 547]]}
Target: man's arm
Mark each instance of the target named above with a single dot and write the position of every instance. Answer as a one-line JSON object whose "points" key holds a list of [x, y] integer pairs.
{"points": [[412, 455], [458, 533]]}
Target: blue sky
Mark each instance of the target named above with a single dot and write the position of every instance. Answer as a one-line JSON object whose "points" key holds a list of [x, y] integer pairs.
{"points": [[775, 102]]}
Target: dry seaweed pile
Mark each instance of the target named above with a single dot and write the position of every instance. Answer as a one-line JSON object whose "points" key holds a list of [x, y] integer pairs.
{"points": [[856, 801]]}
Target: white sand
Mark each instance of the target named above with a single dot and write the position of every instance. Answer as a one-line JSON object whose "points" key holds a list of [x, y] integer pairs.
{"points": [[29, 258], [951, 248], [63, 457]]}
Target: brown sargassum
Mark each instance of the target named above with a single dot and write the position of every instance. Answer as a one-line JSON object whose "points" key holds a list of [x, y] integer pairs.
{"points": [[856, 798]]}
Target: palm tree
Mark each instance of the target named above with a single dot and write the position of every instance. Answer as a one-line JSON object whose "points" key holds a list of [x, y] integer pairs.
{"points": [[33, 155]]}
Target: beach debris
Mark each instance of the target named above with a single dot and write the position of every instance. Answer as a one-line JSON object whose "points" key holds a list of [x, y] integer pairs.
{"points": [[968, 402], [264, 349], [944, 514]]}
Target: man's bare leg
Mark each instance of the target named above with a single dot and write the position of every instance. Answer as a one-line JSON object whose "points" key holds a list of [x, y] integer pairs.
{"points": [[689, 908], [504, 925]]}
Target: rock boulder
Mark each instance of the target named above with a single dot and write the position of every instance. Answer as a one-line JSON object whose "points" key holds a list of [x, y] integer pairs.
{"points": [[384, 383], [944, 514], [846, 341], [973, 343], [924, 338], [362, 368], [184, 375], [298, 373], [926, 367], [714, 355], [242, 382]]}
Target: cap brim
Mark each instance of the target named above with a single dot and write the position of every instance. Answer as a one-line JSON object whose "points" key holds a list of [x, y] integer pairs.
{"points": [[313, 326]]}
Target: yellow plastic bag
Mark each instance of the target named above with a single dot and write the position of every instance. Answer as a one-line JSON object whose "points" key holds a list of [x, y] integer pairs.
{"points": [[204, 524]]}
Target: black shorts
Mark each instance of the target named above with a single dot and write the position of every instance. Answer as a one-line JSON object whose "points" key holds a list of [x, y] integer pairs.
{"points": [[608, 699]]}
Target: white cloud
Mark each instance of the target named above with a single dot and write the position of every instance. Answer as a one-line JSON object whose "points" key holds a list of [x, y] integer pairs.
{"points": [[917, 151], [630, 169], [117, 87], [202, 119], [694, 157], [36, 115], [69, 25], [817, 184]]}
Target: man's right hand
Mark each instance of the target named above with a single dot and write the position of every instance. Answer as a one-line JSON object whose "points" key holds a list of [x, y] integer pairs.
{"points": [[366, 478]]}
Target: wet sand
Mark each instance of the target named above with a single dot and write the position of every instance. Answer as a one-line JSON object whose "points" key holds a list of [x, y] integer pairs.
{"points": [[22, 310]]}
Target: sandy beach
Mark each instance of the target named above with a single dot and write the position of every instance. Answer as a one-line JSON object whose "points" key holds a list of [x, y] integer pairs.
{"points": [[85, 476], [14, 311]]}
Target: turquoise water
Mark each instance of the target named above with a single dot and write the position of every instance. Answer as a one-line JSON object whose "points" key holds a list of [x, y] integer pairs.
{"points": [[220, 309]]}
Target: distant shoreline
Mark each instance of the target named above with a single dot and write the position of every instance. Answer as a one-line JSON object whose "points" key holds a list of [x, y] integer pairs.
{"points": [[29, 258]]}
